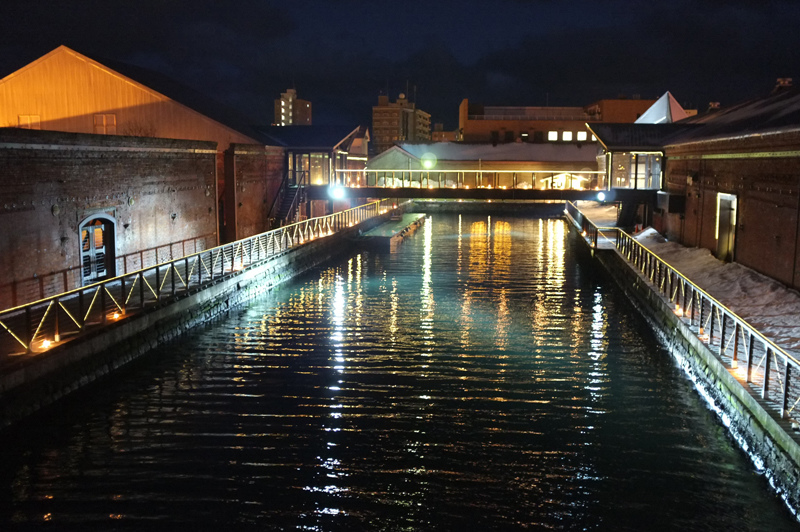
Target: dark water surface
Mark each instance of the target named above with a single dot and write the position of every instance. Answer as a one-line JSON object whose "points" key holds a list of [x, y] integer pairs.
{"points": [[484, 377]]}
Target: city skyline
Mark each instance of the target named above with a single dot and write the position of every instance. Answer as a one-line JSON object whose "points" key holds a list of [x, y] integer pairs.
{"points": [[341, 56]]}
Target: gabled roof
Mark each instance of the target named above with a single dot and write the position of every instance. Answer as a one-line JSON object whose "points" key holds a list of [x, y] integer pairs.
{"points": [[160, 85], [779, 112], [311, 137], [513, 151], [666, 110], [636, 137], [187, 96]]}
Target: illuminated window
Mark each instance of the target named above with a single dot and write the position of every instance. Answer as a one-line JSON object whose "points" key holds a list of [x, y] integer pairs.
{"points": [[97, 251], [29, 122], [594, 139], [105, 124], [552, 136], [566, 136], [581, 136]]}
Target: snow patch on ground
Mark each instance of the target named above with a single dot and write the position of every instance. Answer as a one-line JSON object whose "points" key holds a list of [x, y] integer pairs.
{"points": [[601, 214], [769, 306]]}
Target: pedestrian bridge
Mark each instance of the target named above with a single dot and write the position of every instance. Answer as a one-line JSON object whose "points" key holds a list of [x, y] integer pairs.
{"points": [[337, 192]]}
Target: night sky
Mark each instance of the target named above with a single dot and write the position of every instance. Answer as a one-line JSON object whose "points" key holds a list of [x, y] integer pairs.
{"points": [[341, 54]]}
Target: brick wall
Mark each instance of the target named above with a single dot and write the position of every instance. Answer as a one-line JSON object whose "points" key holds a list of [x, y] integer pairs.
{"points": [[258, 172], [766, 182], [159, 192]]}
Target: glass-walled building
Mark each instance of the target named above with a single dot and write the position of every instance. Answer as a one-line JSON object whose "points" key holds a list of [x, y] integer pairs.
{"points": [[636, 170], [631, 155], [315, 153]]}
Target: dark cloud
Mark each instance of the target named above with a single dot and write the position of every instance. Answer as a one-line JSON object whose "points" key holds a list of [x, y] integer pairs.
{"points": [[341, 55]]}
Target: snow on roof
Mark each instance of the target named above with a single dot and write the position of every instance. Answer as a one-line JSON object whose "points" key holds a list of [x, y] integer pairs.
{"points": [[776, 113], [515, 151], [665, 111]]}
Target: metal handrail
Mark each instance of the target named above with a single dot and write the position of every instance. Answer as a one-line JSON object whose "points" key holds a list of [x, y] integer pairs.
{"points": [[39, 325], [712, 321], [294, 203]]}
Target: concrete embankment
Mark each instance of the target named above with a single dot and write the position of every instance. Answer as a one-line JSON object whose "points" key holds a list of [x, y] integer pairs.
{"points": [[768, 440], [46, 378]]}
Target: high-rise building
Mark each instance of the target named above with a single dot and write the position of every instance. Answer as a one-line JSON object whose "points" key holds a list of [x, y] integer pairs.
{"points": [[398, 121], [291, 110]]}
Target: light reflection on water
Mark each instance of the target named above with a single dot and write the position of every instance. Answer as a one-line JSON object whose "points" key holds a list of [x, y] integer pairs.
{"points": [[481, 378]]}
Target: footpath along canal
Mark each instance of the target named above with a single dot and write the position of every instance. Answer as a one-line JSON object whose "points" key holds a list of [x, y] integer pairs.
{"points": [[486, 375]]}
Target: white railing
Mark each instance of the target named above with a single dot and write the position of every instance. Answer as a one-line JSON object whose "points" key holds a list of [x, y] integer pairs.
{"points": [[38, 326]]}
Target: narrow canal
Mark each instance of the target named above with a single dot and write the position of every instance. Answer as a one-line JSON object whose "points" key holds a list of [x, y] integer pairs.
{"points": [[483, 377]]}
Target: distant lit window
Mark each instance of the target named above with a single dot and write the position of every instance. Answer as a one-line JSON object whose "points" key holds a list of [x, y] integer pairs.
{"points": [[105, 124], [594, 139], [566, 136], [581, 136], [552, 136], [29, 122]]}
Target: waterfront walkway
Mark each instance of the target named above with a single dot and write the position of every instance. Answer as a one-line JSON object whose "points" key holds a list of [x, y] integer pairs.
{"points": [[766, 304], [749, 322]]}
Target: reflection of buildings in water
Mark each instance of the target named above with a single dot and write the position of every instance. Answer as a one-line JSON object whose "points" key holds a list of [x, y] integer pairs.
{"points": [[550, 269], [501, 270]]}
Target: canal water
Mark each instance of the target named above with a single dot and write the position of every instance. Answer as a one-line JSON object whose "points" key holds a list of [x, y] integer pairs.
{"points": [[483, 376]]}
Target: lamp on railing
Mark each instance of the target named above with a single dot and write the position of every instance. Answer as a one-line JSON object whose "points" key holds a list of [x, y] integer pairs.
{"points": [[678, 311]]}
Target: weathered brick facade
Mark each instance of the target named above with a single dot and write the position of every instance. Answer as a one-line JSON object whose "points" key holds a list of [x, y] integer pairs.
{"points": [[763, 172], [258, 172], [159, 193]]}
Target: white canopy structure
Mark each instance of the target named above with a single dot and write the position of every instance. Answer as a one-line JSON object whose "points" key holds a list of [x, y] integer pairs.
{"points": [[665, 111]]}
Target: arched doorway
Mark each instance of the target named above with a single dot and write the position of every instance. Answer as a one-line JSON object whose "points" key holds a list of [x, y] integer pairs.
{"points": [[97, 248]]}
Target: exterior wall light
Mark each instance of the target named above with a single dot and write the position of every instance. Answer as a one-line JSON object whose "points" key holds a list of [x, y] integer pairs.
{"points": [[336, 192]]}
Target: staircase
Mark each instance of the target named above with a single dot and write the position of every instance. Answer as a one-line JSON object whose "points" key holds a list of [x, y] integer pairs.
{"points": [[288, 205]]}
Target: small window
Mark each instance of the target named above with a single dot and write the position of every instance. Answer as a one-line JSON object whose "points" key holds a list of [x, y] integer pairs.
{"points": [[552, 136], [29, 122], [105, 124], [594, 139], [581, 136], [566, 136]]}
